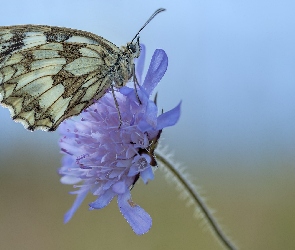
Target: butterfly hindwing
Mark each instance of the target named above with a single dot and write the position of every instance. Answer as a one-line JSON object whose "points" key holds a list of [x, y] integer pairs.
{"points": [[49, 73]]}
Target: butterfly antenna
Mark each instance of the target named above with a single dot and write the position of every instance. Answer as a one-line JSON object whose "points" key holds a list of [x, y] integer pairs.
{"points": [[150, 19]]}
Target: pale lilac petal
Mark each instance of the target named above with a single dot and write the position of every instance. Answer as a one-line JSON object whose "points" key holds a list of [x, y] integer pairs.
{"points": [[139, 220], [69, 180], [126, 91], [169, 118], [147, 174], [150, 120], [79, 199], [119, 187], [133, 171], [151, 114], [103, 200], [156, 71]]}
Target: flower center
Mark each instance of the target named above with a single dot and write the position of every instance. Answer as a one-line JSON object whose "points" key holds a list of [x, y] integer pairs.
{"points": [[142, 163]]}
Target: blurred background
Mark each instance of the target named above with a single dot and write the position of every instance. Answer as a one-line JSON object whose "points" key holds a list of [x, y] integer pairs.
{"points": [[232, 63]]}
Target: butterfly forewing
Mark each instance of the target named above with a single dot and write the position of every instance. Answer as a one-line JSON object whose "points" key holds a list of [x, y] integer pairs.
{"points": [[48, 74]]}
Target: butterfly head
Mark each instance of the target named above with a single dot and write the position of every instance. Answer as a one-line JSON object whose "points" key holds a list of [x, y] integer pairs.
{"points": [[134, 48]]}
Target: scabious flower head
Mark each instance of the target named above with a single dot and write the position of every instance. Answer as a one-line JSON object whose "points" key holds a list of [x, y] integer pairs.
{"points": [[106, 159]]}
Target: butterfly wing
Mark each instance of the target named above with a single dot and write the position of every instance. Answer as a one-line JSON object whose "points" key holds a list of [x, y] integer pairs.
{"points": [[48, 74]]}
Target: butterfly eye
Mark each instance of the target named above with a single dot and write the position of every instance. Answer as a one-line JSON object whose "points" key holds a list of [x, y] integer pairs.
{"points": [[132, 48]]}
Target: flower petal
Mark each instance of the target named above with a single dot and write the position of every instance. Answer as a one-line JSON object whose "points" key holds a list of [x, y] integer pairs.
{"points": [[70, 180], [126, 90], [147, 174], [103, 200], [150, 120], [79, 199], [133, 171], [157, 69], [139, 220], [169, 118], [151, 114], [119, 187]]}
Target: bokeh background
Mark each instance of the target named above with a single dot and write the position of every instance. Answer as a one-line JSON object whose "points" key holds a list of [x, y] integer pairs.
{"points": [[232, 63]]}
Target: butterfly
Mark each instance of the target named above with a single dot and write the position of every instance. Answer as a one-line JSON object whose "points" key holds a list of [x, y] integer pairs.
{"points": [[48, 74]]}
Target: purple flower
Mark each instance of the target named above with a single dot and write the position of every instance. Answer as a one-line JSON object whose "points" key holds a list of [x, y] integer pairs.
{"points": [[107, 160]]}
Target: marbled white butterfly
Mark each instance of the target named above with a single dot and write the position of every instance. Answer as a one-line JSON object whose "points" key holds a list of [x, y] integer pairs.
{"points": [[48, 74]]}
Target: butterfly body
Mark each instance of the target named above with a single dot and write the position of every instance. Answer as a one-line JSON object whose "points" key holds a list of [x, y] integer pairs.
{"points": [[48, 74]]}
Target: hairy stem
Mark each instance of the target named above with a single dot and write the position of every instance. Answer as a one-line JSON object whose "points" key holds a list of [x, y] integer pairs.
{"points": [[199, 201]]}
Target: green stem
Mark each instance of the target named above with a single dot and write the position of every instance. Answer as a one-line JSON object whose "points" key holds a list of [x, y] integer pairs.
{"points": [[197, 198]]}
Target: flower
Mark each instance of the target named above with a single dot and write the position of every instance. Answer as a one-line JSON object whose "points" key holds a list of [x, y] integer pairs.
{"points": [[107, 159]]}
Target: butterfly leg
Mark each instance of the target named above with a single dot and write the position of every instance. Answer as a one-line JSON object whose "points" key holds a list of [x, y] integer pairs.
{"points": [[135, 81], [117, 105]]}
